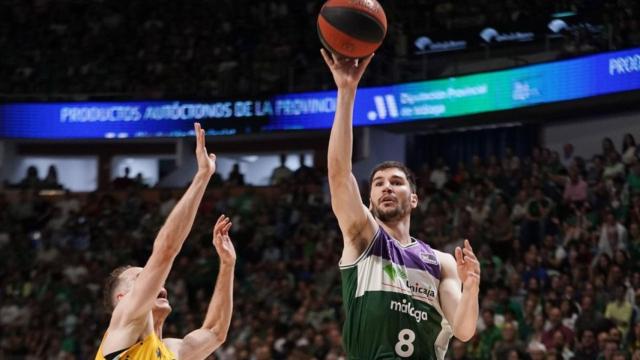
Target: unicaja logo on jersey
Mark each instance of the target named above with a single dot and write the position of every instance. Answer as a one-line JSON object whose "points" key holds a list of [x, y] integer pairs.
{"points": [[407, 308], [429, 293]]}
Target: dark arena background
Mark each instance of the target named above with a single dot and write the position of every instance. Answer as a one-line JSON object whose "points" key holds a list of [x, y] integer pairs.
{"points": [[518, 117]]}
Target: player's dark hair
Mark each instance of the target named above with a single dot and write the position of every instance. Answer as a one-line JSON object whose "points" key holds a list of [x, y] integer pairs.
{"points": [[394, 165], [112, 282]]}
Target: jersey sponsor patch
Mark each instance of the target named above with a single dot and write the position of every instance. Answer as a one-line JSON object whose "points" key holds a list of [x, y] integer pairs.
{"points": [[394, 272], [430, 259]]}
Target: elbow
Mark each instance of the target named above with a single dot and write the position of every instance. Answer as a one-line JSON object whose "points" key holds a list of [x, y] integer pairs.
{"points": [[464, 336], [335, 175], [218, 338], [166, 253]]}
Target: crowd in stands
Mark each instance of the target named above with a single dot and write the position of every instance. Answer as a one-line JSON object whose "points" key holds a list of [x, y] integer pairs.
{"points": [[558, 237], [33, 181], [204, 49]]}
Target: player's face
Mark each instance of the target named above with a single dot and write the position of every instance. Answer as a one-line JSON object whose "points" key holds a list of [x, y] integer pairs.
{"points": [[129, 278], [391, 197]]}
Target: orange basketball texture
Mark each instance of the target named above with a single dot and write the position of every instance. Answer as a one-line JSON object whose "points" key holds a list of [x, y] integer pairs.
{"points": [[352, 28]]}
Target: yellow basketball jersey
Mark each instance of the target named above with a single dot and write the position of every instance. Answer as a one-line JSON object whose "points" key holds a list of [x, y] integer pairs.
{"points": [[151, 348]]}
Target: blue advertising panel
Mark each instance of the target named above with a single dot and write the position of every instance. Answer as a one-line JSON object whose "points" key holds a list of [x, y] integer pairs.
{"points": [[578, 78]]}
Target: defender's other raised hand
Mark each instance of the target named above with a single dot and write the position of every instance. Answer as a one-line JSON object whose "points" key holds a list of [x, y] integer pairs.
{"points": [[206, 161], [346, 72], [222, 241]]}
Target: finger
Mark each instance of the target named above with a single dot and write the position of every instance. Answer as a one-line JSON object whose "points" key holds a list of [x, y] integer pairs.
{"points": [[469, 254], [458, 254], [467, 244], [220, 218], [212, 156], [219, 224], [227, 227], [365, 61], [473, 275], [326, 57], [473, 262], [196, 129]]}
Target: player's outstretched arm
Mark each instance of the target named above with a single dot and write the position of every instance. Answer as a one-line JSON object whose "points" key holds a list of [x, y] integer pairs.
{"points": [[460, 307], [140, 299], [202, 342], [353, 217]]}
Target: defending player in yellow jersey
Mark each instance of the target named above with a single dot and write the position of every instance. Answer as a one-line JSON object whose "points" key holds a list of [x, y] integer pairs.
{"points": [[137, 296]]}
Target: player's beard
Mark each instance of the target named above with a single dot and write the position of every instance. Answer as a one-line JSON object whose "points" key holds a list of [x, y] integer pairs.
{"points": [[399, 211]]}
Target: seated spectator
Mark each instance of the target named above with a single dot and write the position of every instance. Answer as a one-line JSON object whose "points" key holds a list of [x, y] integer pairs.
{"points": [[614, 168], [596, 171], [567, 155], [536, 222], [139, 182], [235, 178], [613, 235], [633, 338], [510, 162], [51, 180], [586, 348], [501, 232], [628, 149], [589, 317], [607, 147], [549, 338], [609, 349], [305, 174], [282, 173], [31, 179], [619, 310], [459, 350], [124, 182], [508, 343], [575, 188], [439, 174], [633, 179], [536, 350], [490, 336]]}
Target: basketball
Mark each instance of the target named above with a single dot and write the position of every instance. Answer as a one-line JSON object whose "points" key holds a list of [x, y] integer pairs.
{"points": [[352, 28]]}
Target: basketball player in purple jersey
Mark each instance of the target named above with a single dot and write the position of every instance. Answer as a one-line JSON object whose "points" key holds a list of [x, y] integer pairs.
{"points": [[402, 298]]}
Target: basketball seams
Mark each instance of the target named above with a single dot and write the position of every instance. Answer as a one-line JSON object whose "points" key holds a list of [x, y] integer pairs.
{"points": [[326, 44], [357, 48], [382, 26], [367, 13]]}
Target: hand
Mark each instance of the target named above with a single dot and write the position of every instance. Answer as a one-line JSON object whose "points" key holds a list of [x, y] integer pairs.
{"points": [[222, 241], [468, 267], [346, 72], [206, 161]]}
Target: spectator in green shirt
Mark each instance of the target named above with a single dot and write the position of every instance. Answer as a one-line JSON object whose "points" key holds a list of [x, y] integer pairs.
{"points": [[633, 179], [619, 310], [489, 336]]}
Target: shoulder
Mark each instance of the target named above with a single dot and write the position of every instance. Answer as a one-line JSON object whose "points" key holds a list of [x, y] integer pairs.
{"points": [[447, 264], [173, 344]]}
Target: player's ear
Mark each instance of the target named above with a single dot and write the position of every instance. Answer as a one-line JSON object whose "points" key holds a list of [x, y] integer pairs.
{"points": [[414, 200]]}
